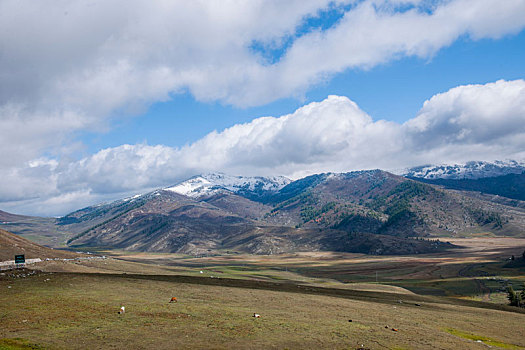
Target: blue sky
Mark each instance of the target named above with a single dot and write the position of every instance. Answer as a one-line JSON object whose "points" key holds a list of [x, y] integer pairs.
{"points": [[392, 91], [100, 100]]}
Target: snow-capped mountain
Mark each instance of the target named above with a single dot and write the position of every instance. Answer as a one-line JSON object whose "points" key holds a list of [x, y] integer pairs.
{"points": [[469, 170], [208, 184]]}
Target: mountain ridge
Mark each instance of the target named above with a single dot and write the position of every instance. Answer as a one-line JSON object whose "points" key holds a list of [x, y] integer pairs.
{"points": [[362, 209], [468, 170], [210, 183], [369, 211]]}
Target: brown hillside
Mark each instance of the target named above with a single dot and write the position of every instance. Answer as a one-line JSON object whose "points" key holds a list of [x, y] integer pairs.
{"points": [[11, 245], [5, 216]]}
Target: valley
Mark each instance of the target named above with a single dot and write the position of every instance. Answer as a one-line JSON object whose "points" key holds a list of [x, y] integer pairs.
{"points": [[475, 270]]}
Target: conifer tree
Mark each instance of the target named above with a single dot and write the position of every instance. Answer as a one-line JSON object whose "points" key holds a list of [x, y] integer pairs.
{"points": [[512, 296]]}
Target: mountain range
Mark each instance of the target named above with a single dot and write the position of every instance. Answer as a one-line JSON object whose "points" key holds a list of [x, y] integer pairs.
{"points": [[374, 212], [470, 170], [505, 179]]}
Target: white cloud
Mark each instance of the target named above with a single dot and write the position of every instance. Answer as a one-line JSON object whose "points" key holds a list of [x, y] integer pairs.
{"points": [[487, 120], [471, 114], [370, 35], [471, 122], [318, 133], [121, 169], [68, 66]]}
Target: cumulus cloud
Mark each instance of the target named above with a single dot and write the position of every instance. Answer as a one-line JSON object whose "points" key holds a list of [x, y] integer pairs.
{"points": [[471, 122], [332, 131], [471, 114], [70, 66]]}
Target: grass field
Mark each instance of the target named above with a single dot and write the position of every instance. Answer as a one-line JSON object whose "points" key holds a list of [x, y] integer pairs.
{"points": [[305, 301], [72, 310]]}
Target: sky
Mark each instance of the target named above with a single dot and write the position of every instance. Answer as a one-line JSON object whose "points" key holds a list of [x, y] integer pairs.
{"points": [[104, 99]]}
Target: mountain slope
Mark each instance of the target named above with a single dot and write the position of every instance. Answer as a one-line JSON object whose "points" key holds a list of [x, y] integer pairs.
{"points": [[11, 245], [6, 217], [147, 224], [510, 186], [382, 203], [40, 230], [363, 211], [170, 222]]}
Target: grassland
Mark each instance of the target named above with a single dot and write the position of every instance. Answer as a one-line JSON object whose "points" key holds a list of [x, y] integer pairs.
{"points": [[73, 310], [447, 300]]}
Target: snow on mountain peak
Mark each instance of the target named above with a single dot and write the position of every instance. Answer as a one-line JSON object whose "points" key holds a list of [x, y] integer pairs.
{"points": [[469, 170], [207, 184], [192, 187]]}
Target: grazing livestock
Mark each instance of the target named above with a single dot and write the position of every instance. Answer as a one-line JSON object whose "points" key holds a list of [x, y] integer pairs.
{"points": [[173, 300], [122, 310], [256, 315]]}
